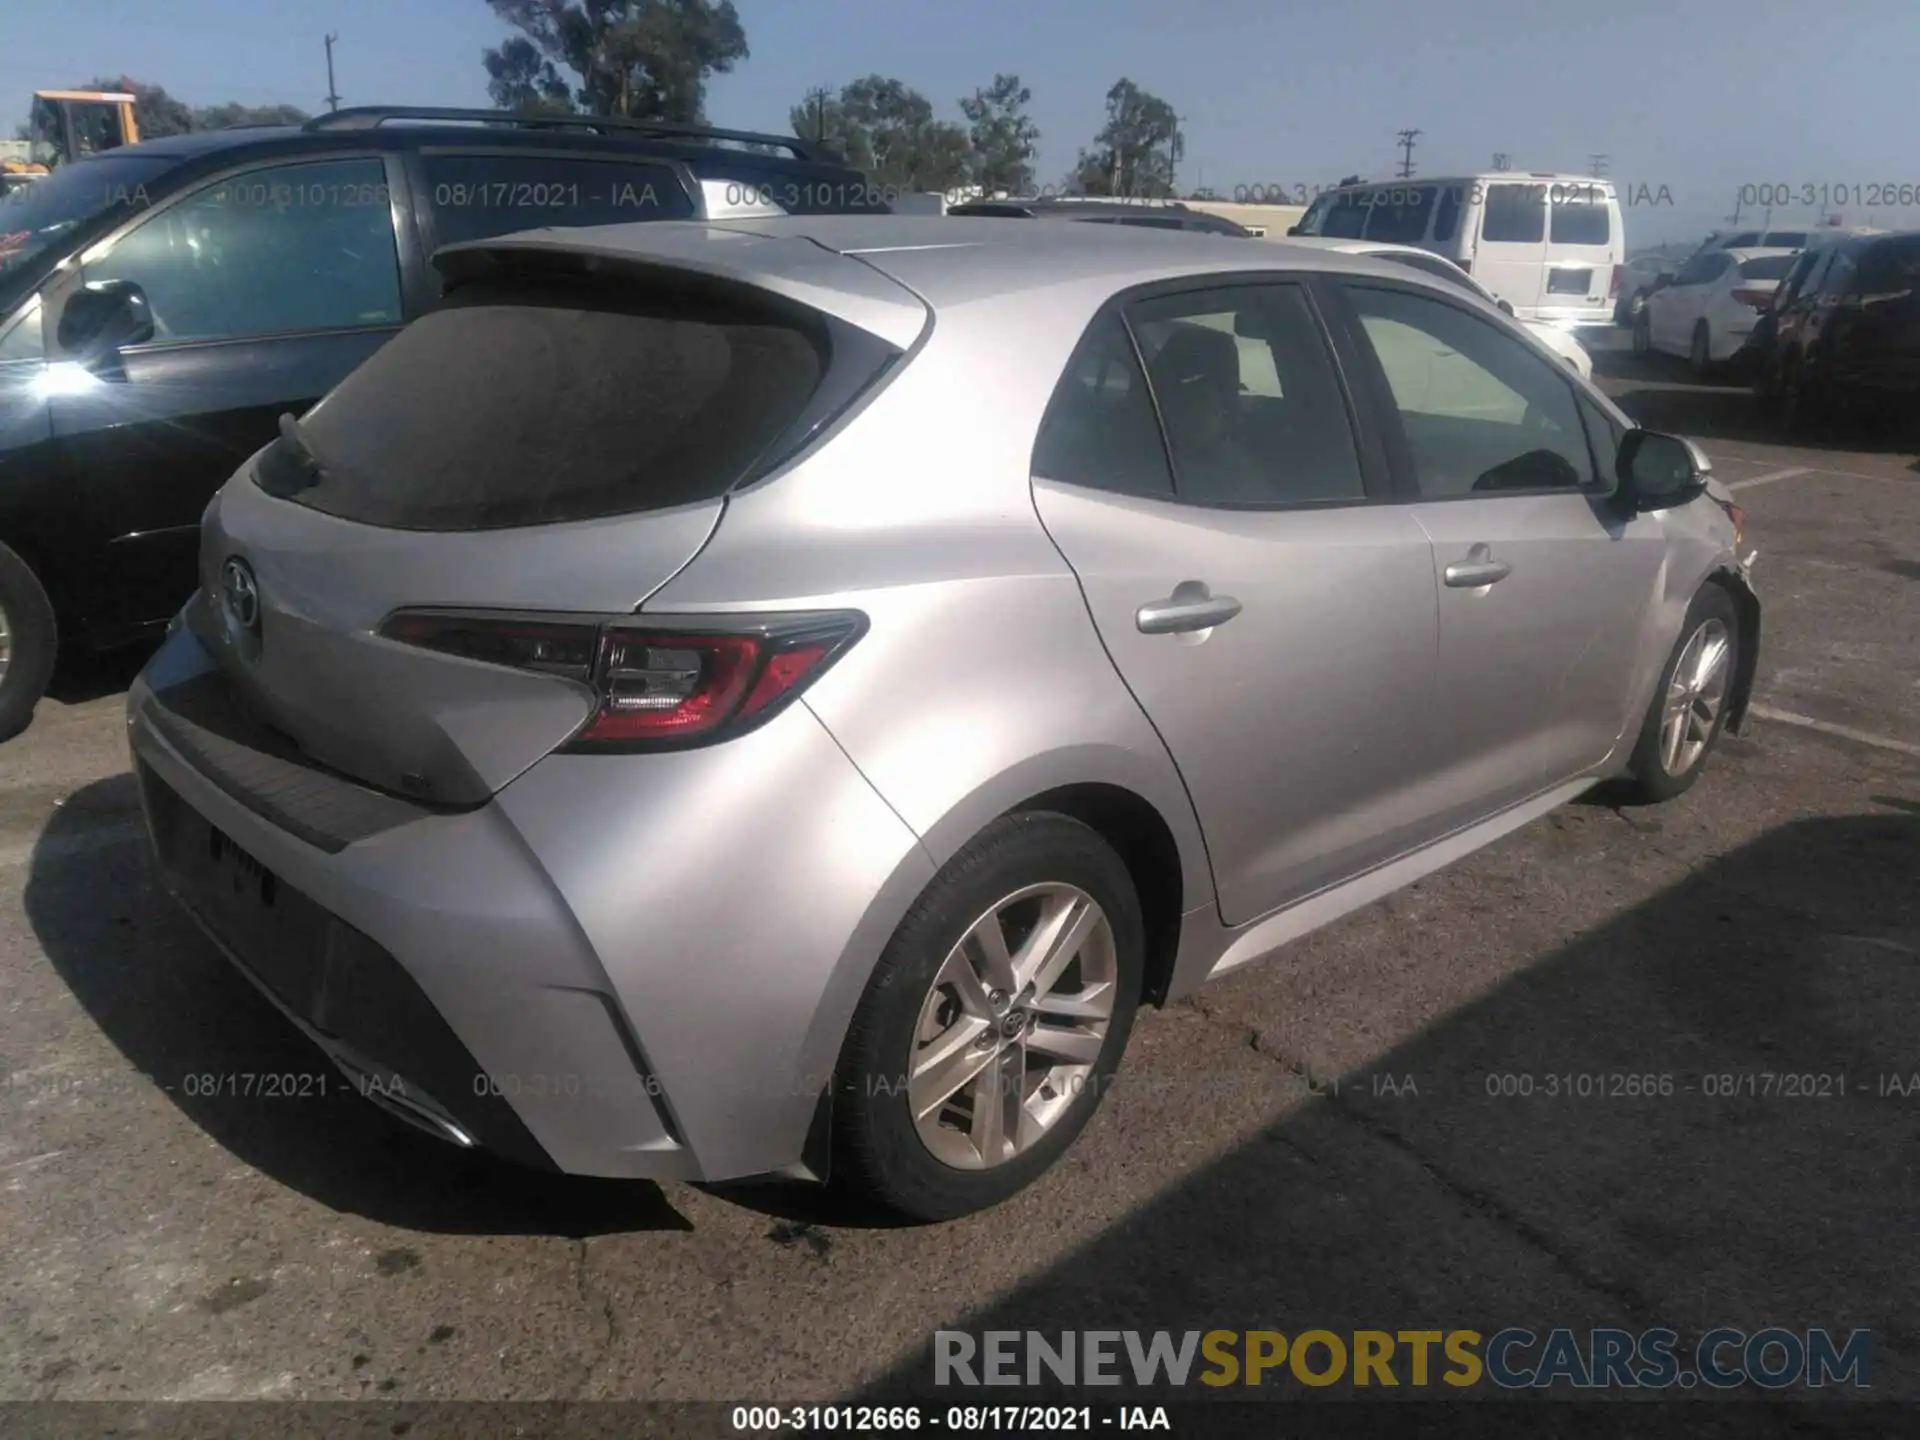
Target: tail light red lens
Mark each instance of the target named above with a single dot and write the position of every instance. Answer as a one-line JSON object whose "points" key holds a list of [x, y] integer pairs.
{"points": [[1613, 286], [657, 688], [1465, 265]]}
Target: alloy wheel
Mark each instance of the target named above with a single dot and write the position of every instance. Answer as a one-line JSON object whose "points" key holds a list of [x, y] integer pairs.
{"points": [[6, 642], [1012, 1026], [1695, 696]]}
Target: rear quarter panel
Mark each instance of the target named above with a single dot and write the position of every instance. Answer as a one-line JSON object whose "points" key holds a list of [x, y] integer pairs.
{"points": [[981, 681]]}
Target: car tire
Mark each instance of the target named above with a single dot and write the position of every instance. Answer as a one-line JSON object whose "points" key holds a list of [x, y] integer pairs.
{"points": [[31, 642], [1803, 408], [1700, 350], [906, 1019], [1659, 769], [1642, 332]]}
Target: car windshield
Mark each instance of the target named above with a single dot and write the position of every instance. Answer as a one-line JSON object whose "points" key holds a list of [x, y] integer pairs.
{"points": [[36, 216], [1891, 265]]}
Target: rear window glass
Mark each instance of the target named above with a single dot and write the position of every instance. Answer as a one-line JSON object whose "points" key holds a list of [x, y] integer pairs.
{"points": [[1787, 239], [541, 402], [1400, 215], [1767, 267], [1515, 214], [477, 197], [1890, 265], [1581, 222]]}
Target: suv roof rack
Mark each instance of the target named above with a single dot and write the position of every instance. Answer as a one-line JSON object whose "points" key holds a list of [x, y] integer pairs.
{"points": [[368, 117]]}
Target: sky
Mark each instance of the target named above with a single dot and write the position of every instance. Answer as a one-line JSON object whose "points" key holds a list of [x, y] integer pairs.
{"points": [[1702, 98]]}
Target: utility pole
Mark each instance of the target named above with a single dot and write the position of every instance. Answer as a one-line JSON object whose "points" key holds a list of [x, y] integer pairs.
{"points": [[333, 98], [820, 115], [1597, 166], [1502, 160], [1407, 137]]}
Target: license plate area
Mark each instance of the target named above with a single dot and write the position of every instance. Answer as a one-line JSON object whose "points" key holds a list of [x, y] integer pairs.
{"points": [[274, 931], [1569, 282]]}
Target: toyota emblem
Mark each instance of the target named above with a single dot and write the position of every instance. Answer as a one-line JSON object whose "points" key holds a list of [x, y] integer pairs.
{"points": [[241, 593]]}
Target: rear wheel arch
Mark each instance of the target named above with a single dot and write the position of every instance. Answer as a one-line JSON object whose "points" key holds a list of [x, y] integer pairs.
{"points": [[1145, 843]]}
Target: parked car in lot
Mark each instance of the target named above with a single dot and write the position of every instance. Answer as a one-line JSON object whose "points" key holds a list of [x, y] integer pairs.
{"points": [[1556, 338], [1639, 278], [162, 304], [688, 790], [1146, 214], [1551, 246], [1847, 333], [1711, 307]]}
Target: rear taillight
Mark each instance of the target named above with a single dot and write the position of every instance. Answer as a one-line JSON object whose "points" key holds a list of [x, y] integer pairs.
{"points": [[1738, 515], [1754, 299], [1465, 265], [1613, 285], [656, 687]]}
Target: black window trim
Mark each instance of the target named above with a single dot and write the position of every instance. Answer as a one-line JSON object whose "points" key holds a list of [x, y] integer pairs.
{"points": [[55, 293], [428, 219], [1373, 376]]}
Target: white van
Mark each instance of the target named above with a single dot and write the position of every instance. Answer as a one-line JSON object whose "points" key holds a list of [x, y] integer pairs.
{"points": [[1551, 246]]}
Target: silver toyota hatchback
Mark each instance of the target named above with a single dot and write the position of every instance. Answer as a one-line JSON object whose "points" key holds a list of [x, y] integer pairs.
{"points": [[775, 696]]}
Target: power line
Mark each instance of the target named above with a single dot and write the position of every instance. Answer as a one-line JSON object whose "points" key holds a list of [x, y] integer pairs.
{"points": [[1407, 137], [333, 96]]}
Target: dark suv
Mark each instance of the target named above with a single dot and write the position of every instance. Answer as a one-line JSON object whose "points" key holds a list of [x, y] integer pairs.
{"points": [[162, 305], [1846, 330]]}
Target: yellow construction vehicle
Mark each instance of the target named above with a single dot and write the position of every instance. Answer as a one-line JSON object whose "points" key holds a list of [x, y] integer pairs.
{"points": [[67, 124]]}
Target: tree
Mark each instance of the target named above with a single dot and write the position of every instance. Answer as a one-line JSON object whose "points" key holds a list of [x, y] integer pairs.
{"points": [[221, 117], [648, 59], [1135, 151], [1003, 137], [520, 78], [884, 127]]}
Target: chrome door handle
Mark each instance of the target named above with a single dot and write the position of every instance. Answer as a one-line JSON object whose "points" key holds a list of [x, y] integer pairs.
{"points": [[1479, 568], [1190, 607]]}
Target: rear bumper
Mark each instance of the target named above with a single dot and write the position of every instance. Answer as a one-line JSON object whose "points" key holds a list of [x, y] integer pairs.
{"points": [[636, 966]]}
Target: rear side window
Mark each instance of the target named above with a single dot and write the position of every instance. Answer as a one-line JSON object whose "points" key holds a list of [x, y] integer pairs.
{"points": [[477, 197], [1515, 214], [1100, 430], [1767, 267], [1447, 221], [541, 401], [1787, 239], [1581, 222], [1890, 265]]}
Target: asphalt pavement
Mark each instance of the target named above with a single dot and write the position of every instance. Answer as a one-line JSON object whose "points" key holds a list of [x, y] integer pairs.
{"points": [[1319, 1141]]}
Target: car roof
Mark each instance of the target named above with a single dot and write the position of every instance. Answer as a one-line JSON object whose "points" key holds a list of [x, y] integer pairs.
{"points": [[944, 260]]}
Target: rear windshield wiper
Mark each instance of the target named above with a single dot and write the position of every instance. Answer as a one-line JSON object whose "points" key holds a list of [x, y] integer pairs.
{"points": [[294, 442]]}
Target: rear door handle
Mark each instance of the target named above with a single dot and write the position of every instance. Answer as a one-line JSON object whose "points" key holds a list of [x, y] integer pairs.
{"points": [[1191, 607], [1479, 568]]}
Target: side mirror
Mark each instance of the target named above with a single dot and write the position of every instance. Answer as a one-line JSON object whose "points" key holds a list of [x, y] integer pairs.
{"points": [[1658, 472], [1505, 305], [101, 320], [1293, 229]]}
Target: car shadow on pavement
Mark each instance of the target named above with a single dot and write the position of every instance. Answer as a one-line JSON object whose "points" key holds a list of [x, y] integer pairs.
{"points": [[1425, 1193], [185, 1018]]}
